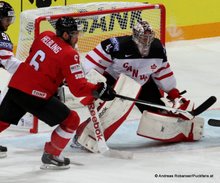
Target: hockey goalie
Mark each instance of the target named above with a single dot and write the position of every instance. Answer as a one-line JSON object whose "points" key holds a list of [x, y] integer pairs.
{"points": [[162, 125], [137, 66]]}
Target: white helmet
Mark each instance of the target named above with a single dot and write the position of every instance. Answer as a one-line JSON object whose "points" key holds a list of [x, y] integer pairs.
{"points": [[143, 36]]}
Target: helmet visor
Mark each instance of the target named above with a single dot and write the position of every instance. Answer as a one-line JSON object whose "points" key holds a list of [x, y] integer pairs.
{"points": [[77, 33], [9, 20]]}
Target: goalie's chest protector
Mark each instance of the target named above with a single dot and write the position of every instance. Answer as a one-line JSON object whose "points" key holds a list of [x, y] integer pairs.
{"points": [[127, 59]]}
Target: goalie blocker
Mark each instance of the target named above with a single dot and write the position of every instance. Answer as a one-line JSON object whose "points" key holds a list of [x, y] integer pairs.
{"points": [[155, 126]]}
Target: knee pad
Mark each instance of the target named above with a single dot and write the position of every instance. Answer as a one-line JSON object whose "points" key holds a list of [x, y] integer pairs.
{"points": [[71, 122]]}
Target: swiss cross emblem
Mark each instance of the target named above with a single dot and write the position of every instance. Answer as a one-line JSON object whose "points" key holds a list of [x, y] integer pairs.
{"points": [[153, 66]]}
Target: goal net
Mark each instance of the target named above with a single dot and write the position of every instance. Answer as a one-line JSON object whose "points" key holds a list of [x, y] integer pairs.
{"points": [[100, 21]]}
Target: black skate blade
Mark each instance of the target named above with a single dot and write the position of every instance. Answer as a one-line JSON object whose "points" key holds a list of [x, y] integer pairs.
{"points": [[53, 167]]}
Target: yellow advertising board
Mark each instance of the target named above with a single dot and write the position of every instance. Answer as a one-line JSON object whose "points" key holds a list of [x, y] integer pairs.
{"points": [[185, 19], [32, 4]]}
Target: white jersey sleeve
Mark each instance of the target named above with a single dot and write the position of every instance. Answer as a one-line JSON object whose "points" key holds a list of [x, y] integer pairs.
{"points": [[8, 61], [164, 77], [97, 59]]}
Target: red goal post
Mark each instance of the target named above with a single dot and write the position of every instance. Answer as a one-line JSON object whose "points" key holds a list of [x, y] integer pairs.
{"points": [[107, 20]]}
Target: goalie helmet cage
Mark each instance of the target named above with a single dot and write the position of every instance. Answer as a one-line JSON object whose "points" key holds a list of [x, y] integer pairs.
{"points": [[100, 21]]}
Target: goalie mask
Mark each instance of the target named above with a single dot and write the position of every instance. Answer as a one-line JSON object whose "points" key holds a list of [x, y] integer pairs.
{"points": [[143, 36], [7, 13]]}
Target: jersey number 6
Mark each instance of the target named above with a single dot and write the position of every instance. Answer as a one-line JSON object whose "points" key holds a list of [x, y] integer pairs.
{"points": [[38, 57]]}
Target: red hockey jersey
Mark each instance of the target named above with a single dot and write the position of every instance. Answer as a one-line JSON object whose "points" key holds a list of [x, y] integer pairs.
{"points": [[50, 61]]}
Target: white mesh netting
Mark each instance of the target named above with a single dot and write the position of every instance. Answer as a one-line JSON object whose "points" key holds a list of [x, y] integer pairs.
{"points": [[96, 27]]}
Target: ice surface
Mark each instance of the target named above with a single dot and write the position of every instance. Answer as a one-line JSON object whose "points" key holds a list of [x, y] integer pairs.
{"points": [[196, 65]]}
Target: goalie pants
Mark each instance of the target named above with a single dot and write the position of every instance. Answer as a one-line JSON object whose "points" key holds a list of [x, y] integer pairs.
{"points": [[149, 92]]}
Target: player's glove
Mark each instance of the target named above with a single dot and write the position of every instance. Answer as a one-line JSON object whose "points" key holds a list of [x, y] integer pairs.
{"points": [[178, 101], [104, 92]]}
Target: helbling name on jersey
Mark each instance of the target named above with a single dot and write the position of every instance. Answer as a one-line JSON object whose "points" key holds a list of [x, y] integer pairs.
{"points": [[51, 44]]}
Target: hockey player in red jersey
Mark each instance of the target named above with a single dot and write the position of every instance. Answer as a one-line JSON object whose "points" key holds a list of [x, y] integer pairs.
{"points": [[142, 57], [7, 59], [52, 59]]}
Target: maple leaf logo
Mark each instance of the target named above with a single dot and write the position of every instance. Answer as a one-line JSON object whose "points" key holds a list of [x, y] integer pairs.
{"points": [[153, 66]]}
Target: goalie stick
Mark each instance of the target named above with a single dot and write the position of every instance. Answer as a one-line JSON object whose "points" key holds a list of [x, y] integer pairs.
{"points": [[190, 114], [102, 146], [214, 122]]}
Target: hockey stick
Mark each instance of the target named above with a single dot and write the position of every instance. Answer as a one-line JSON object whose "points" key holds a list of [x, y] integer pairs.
{"points": [[214, 122], [102, 146], [190, 114]]}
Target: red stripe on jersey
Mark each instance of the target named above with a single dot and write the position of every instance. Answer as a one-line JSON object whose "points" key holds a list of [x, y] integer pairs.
{"points": [[164, 76], [94, 62], [162, 68], [5, 57], [101, 55]]}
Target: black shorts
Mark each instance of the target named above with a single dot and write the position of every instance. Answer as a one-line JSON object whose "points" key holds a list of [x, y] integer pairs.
{"points": [[16, 103], [149, 92]]}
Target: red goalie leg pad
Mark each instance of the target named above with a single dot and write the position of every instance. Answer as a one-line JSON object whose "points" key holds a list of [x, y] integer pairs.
{"points": [[62, 134], [3, 126], [179, 138], [82, 126], [111, 129], [182, 138]]}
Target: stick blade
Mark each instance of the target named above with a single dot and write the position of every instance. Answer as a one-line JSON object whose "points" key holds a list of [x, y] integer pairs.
{"points": [[118, 154], [214, 122], [204, 106]]}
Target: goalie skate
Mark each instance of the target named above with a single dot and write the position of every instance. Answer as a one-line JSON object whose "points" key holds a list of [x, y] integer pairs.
{"points": [[3, 152], [51, 162], [76, 145]]}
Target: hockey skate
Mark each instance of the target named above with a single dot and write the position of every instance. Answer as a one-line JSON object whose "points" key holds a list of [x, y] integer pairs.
{"points": [[75, 144], [52, 162], [3, 152]]}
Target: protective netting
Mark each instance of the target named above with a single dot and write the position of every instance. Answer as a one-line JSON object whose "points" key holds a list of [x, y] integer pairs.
{"points": [[97, 26]]}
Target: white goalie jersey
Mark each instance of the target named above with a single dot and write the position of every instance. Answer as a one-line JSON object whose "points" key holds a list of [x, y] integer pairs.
{"points": [[120, 55]]}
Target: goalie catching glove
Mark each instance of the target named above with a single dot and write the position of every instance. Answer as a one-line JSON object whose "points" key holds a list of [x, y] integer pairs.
{"points": [[104, 92]]}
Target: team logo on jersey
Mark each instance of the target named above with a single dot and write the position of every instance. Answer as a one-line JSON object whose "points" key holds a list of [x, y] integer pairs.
{"points": [[153, 67], [39, 94], [115, 44], [75, 68], [108, 48]]}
